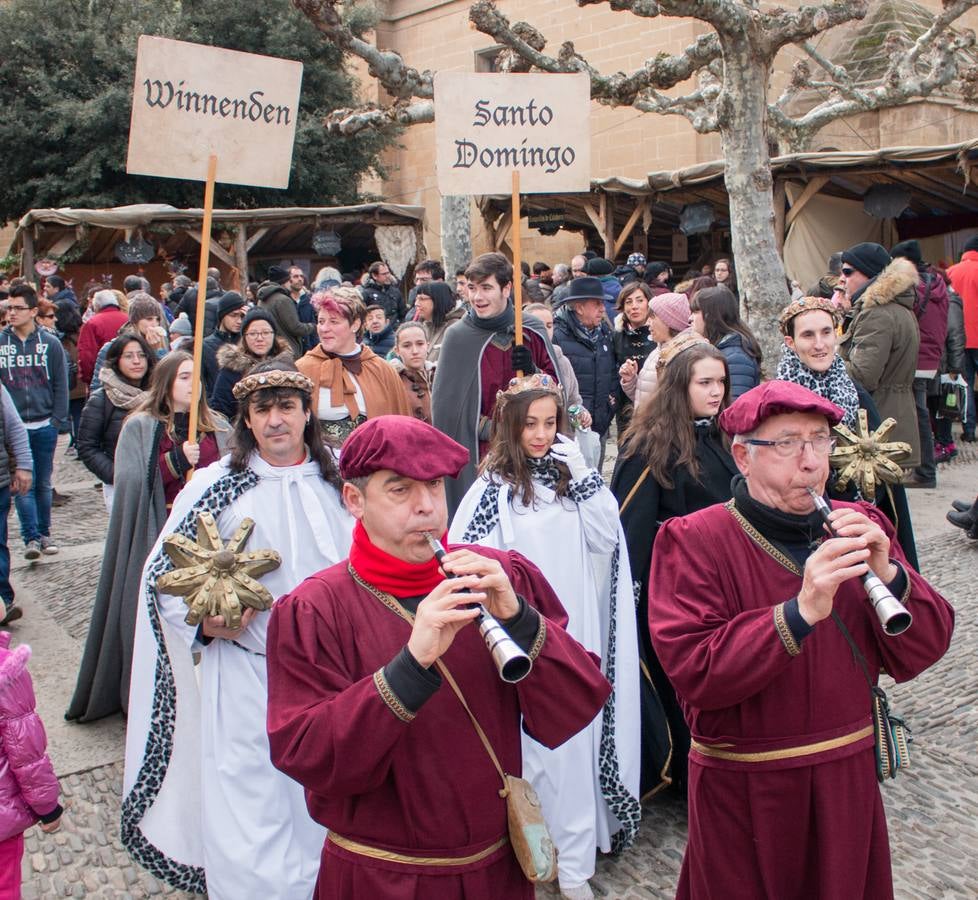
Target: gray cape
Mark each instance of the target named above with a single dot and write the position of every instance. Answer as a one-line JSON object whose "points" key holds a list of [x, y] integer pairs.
{"points": [[455, 399], [138, 514]]}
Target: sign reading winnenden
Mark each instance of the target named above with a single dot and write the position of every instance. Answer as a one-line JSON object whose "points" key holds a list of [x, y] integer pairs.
{"points": [[192, 100], [489, 125]]}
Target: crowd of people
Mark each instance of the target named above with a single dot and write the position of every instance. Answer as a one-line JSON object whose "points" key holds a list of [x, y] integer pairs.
{"points": [[352, 423]]}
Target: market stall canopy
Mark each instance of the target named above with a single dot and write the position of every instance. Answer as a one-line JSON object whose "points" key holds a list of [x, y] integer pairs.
{"points": [[940, 181], [93, 235]]}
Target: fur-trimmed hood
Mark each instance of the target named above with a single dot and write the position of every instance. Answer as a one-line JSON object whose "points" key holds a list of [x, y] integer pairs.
{"points": [[237, 359], [895, 283], [401, 369]]}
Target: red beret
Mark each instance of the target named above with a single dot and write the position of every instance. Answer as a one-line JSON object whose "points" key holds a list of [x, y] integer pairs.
{"points": [[771, 399], [403, 444]]}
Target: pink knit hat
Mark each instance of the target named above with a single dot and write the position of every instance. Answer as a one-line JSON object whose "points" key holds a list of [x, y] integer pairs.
{"points": [[673, 309]]}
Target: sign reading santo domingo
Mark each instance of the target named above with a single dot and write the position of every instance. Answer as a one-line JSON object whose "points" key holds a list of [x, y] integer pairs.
{"points": [[488, 125], [192, 100]]}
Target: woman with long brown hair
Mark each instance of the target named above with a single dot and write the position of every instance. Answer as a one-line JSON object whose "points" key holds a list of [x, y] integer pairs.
{"points": [[537, 495], [672, 462], [153, 457], [715, 314]]}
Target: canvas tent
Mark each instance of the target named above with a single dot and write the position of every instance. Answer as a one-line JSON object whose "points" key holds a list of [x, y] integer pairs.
{"points": [[88, 240]]}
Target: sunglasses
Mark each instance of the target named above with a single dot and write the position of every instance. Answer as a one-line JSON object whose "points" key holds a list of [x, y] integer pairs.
{"points": [[847, 271]]}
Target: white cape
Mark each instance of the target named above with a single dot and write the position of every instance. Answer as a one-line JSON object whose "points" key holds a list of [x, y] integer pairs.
{"points": [[589, 786], [201, 796]]}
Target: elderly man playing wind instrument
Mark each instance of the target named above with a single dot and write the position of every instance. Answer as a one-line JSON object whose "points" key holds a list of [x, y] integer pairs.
{"points": [[772, 645], [203, 808]]}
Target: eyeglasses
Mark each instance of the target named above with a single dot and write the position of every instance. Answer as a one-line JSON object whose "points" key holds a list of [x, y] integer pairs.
{"points": [[133, 357], [260, 334], [787, 448], [18, 308], [847, 271]]}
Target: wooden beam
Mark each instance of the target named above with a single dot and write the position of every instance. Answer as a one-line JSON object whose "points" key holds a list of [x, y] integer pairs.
{"points": [[254, 238], [27, 254], [606, 204], [811, 189], [595, 216], [629, 225], [241, 257], [215, 248], [503, 225], [779, 203]]}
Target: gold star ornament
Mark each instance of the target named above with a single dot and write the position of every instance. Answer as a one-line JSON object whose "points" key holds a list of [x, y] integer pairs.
{"points": [[866, 458], [217, 579]]}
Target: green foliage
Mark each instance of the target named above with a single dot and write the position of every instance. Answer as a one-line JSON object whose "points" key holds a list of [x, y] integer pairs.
{"points": [[66, 77]]}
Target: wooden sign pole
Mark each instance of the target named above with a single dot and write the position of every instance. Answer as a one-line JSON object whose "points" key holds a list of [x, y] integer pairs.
{"points": [[517, 267], [205, 252]]}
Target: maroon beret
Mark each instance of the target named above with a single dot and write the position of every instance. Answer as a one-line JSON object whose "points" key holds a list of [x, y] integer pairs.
{"points": [[771, 399], [403, 444]]}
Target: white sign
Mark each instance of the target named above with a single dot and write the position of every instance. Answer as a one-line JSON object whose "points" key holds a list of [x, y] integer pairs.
{"points": [[192, 100], [487, 125]]}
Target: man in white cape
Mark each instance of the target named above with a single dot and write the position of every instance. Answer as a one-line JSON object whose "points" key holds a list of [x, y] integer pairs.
{"points": [[589, 786], [203, 807]]}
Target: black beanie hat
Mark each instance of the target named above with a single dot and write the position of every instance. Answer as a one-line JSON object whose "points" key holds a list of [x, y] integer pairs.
{"points": [[908, 250], [278, 274], [868, 258], [599, 266], [255, 314], [971, 243], [228, 303]]}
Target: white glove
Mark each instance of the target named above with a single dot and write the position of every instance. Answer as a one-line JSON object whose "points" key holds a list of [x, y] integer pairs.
{"points": [[567, 452]]}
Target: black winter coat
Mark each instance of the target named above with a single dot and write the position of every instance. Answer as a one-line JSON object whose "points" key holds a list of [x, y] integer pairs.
{"points": [[98, 433], [386, 295], [594, 365], [630, 343], [381, 343], [745, 373], [209, 366]]}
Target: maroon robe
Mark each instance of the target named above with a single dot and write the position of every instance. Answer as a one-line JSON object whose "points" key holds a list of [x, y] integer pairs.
{"points": [[810, 827], [425, 787]]}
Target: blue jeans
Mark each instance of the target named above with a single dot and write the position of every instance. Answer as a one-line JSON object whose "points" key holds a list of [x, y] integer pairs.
{"points": [[34, 507], [6, 591]]}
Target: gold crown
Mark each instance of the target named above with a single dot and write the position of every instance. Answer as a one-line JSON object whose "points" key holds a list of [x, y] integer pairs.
{"points": [[807, 304], [536, 382], [276, 378]]}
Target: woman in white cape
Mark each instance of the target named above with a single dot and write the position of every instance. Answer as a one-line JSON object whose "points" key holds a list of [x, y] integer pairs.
{"points": [[537, 495], [203, 807]]}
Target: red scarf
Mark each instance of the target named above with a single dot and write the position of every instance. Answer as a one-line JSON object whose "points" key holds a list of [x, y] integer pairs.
{"points": [[388, 573]]}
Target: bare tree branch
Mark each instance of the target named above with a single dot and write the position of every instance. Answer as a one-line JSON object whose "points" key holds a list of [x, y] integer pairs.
{"points": [[780, 27], [699, 107], [397, 78], [353, 121], [930, 63], [618, 89]]}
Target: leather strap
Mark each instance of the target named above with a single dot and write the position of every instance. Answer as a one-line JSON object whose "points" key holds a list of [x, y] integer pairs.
{"points": [[392, 604], [633, 491]]}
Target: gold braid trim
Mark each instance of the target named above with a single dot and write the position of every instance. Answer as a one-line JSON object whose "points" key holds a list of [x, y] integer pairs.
{"points": [[390, 698], [540, 638], [784, 631], [762, 541], [273, 379]]}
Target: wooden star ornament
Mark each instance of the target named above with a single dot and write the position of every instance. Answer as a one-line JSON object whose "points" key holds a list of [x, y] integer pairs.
{"points": [[217, 579], [866, 458]]}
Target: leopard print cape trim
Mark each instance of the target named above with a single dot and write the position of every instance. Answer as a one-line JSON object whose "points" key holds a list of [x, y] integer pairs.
{"points": [[159, 741]]}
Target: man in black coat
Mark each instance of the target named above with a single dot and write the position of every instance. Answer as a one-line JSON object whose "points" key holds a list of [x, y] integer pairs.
{"points": [[230, 316], [583, 333], [380, 289]]}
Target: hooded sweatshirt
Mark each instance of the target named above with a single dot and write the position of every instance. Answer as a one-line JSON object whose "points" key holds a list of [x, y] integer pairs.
{"points": [[35, 373]]}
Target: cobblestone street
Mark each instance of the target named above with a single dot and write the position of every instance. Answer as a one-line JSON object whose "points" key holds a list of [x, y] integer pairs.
{"points": [[931, 808]]}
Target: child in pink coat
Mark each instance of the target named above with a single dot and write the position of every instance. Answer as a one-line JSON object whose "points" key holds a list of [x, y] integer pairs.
{"points": [[28, 786]]}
